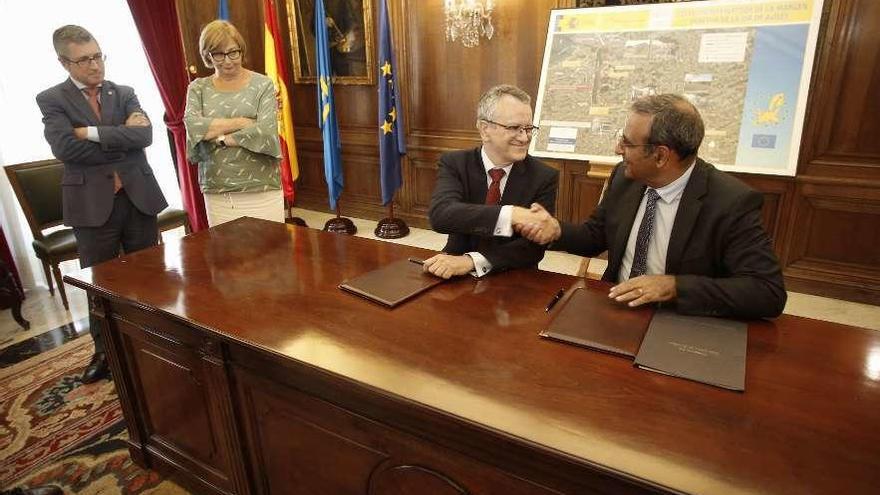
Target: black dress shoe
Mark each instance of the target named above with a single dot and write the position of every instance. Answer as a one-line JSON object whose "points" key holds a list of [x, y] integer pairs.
{"points": [[96, 369], [37, 490]]}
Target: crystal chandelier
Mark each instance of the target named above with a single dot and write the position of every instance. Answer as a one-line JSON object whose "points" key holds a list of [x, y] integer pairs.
{"points": [[467, 20]]}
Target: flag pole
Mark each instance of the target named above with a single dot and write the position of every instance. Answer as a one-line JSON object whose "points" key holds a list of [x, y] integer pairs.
{"points": [[390, 227]]}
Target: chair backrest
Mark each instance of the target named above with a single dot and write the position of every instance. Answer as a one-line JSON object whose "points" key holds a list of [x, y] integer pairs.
{"points": [[37, 186]]}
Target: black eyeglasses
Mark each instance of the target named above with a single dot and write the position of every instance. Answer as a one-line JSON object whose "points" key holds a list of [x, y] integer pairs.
{"points": [[98, 58], [515, 129], [231, 55]]}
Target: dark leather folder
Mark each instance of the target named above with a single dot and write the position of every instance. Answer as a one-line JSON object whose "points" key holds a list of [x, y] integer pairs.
{"points": [[707, 350], [392, 284], [587, 317]]}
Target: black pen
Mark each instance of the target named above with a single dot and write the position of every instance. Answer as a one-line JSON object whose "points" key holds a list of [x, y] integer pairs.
{"points": [[416, 261], [555, 300]]}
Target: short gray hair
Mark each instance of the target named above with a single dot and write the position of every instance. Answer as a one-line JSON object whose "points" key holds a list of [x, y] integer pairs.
{"points": [[675, 122], [69, 34], [489, 100]]}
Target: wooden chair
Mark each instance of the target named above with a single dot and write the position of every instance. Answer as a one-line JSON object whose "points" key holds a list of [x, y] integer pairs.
{"points": [[171, 218], [37, 187]]}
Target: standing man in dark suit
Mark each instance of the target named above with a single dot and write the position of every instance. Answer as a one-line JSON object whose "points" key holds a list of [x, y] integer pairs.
{"points": [[482, 192], [98, 129], [677, 230]]}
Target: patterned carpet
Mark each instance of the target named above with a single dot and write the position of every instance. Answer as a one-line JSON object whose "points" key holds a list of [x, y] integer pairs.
{"points": [[55, 430]]}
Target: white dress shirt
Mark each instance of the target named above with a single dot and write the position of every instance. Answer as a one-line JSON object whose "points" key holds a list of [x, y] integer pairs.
{"points": [[503, 226], [664, 219]]}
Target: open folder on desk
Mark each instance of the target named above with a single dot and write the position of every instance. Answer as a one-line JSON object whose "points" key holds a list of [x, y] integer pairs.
{"points": [[699, 348], [587, 317], [393, 283]]}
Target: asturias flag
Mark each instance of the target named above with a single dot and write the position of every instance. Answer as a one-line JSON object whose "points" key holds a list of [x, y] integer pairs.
{"points": [[391, 139], [326, 107], [276, 71]]}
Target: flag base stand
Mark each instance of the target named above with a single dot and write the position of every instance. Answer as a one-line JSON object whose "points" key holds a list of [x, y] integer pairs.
{"points": [[340, 225], [288, 215], [391, 228], [296, 221]]}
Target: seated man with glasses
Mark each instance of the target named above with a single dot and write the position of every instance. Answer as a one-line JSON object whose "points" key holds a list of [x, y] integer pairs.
{"points": [[483, 192], [677, 230], [109, 193]]}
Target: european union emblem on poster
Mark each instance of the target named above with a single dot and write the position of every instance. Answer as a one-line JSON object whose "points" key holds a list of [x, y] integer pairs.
{"points": [[767, 141]]}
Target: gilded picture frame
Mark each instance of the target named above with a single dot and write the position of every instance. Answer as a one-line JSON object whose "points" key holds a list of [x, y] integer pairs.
{"points": [[350, 27]]}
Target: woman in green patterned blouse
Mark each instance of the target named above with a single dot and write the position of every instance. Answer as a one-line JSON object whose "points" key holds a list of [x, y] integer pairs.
{"points": [[232, 132]]}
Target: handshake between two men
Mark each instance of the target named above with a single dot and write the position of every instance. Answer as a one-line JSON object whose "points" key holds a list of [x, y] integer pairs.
{"points": [[675, 227], [540, 227]]}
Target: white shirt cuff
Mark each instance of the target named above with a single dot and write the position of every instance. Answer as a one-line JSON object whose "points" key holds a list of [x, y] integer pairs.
{"points": [[504, 225], [92, 134], [481, 264]]}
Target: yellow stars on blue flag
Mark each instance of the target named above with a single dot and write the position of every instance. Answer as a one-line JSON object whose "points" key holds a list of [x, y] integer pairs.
{"points": [[388, 123]]}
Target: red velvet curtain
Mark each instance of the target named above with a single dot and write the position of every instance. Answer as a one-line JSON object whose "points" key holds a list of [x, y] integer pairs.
{"points": [[157, 24]]}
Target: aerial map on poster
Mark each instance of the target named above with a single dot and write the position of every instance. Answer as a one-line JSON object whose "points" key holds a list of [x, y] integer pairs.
{"points": [[745, 64]]}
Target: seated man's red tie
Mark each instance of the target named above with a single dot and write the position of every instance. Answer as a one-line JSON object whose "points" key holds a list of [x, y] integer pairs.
{"points": [[494, 194]]}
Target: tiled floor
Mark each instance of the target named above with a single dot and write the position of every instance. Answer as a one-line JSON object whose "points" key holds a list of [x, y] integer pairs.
{"points": [[46, 312]]}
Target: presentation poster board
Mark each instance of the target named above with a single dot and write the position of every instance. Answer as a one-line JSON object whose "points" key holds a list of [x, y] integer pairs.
{"points": [[745, 64]]}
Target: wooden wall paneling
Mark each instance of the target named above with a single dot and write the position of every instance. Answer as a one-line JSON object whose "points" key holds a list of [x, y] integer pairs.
{"points": [[581, 193], [446, 78], [831, 236], [423, 175], [841, 135], [834, 252], [778, 193]]}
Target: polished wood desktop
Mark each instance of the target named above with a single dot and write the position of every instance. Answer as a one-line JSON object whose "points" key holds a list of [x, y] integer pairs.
{"points": [[242, 368]]}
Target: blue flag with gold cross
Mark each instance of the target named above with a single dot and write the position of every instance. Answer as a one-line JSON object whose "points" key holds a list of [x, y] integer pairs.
{"points": [[327, 108], [391, 139]]}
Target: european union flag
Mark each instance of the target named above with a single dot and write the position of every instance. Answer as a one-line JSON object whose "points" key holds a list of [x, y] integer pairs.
{"points": [[391, 140], [223, 10], [326, 107]]}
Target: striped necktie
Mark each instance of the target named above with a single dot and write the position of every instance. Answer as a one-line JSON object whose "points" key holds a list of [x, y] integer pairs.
{"points": [[646, 228]]}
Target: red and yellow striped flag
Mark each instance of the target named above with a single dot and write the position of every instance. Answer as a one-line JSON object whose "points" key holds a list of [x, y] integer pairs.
{"points": [[276, 70]]}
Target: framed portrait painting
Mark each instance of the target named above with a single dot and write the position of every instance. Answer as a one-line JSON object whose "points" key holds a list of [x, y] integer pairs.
{"points": [[350, 29]]}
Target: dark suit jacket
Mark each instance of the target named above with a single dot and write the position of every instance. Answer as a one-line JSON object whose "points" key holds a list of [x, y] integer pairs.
{"points": [[718, 250], [87, 183], [458, 209]]}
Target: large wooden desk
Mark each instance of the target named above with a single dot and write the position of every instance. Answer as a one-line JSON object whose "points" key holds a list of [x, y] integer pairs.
{"points": [[241, 366]]}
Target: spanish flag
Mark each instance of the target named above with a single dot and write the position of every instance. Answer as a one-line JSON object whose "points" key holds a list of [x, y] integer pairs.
{"points": [[277, 71]]}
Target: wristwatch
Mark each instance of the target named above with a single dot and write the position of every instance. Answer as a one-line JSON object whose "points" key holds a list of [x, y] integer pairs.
{"points": [[221, 140]]}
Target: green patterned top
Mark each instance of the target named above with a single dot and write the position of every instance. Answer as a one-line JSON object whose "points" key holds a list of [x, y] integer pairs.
{"points": [[252, 166]]}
